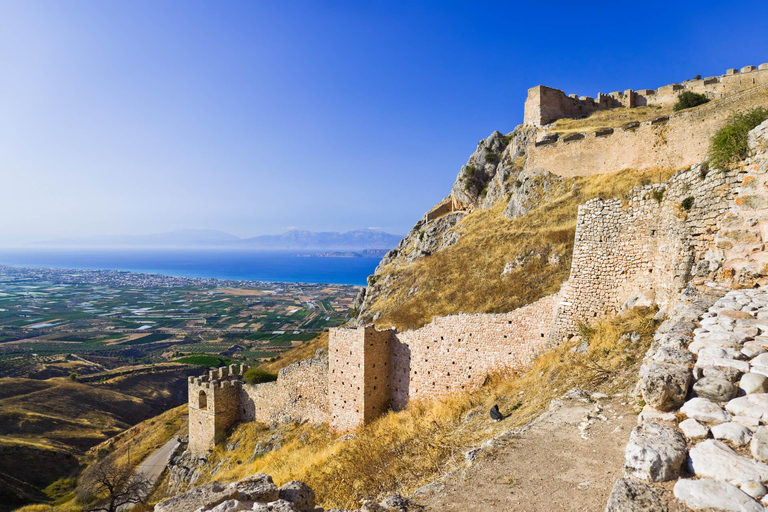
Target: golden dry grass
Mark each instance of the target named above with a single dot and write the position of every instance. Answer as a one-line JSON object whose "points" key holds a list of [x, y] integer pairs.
{"points": [[404, 450], [304, 351], [613, 118], [466, 276]]}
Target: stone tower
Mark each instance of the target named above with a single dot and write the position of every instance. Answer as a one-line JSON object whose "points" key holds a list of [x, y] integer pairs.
{"points": [[214, 406]]}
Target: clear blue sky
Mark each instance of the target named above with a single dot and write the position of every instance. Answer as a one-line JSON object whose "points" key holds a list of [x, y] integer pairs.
{"points": [[128, 117]]}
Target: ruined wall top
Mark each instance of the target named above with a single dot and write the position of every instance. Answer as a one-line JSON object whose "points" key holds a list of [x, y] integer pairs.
{"points": [[545, 105]]}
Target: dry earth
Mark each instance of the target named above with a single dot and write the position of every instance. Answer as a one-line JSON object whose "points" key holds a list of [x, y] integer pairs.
{"points": [[559, 462]]}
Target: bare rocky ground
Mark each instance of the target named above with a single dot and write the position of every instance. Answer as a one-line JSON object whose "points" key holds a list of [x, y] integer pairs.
{"points": [[567, 459]]}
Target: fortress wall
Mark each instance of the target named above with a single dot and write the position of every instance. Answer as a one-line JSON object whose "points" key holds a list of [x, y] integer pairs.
{"points": [[545, 104], [679, 141], [300, 391], [645, 246], [457, 352]]}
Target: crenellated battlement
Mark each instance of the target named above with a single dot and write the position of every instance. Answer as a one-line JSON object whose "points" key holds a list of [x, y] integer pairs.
{"points": [[546, 104]]}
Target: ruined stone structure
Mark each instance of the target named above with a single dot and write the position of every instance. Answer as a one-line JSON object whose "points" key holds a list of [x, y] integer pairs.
{"points": [[545, 104], [700, 224]]}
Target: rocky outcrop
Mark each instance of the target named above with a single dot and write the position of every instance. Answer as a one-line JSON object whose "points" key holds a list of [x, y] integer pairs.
{"points": [[259, 493]]}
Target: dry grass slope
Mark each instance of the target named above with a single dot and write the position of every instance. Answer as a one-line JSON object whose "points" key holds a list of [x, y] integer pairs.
{"points": [[304, 351], [404, 450], [465, 276]]}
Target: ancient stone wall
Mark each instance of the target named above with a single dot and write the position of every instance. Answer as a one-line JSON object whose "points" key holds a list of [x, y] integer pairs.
{"points": [[672, 142], [545, 104], [300, 392], [372, 371], [651, 244]]}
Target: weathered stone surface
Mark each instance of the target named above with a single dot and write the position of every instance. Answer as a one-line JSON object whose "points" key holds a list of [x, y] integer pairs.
{"points": [[629, 495], [654, 453], [705, 411], [275, 506], [754, 489], [759, 445], [674, 356], [298, 493], [210, 494], [714, 459], [754, 383], [754, 405], [257, 488], [718, 390], [751, 349], [651, 414], [729, 374], [734, 433], [712, 495], [693, 430], [231, 506], [664, 386], [397, 503]]}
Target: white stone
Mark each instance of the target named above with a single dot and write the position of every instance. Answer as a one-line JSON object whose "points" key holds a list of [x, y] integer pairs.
{"points": [[751, 349], [723, 362], [737, 435], [754, 405], [714, 459], [693, 430], [651, 414], [231, 506], [754, 489], [654, 453], [750, 423], [705, 411], [712, 495], [754, 383], [760, 370], [760, 360], [759, 445]]}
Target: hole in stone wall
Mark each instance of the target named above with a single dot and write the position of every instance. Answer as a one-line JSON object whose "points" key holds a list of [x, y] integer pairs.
{"points": [[202, 401]]}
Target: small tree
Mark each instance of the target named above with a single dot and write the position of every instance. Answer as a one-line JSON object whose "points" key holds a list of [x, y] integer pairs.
{"points": [[258, 375], [688, 99], [108, 486], [729, 144]]}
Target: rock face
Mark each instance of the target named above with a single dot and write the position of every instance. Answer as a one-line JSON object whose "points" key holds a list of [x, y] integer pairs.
{"points": [[629, 495], [655, 453], [665, 386], [712, 495]]}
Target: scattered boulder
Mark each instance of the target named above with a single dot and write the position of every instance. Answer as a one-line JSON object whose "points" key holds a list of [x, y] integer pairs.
{"points": [[714, 459], [759, 444], [655, 453], [693, 430], [734, 433], [712, 495], [754, 383], [754, 489], [210, 495], [299, 494], [258, 487], [629, 495], [275, 506], [754, 405], [716, 389], [231, 506], [705, 411], [664, 386]]}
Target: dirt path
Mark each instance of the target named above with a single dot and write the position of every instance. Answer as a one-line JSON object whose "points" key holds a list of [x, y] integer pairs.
{"points": [[553, 465]]}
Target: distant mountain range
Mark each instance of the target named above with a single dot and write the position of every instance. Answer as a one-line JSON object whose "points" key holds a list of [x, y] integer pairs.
{"points": [[357, 240]]}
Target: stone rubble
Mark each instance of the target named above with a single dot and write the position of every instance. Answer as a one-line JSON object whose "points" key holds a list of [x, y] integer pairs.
{"points": [[722, 418]]}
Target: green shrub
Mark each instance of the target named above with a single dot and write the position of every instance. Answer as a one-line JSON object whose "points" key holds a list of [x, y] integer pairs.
{"points": [[703, 170], [518, 183], [471, 170], [484, 193], [729, 144], [491, 158], [688, 99], [687, 203], [257, 376], [658, 194]]}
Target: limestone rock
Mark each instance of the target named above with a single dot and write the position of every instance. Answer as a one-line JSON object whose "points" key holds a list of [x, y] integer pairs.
{"points": [[210, 494], [298, 493], [718, 390], [629, 495], [754, 383], [674, 356], [397, 503], [258, 487], [693, 430], [275, 506], [654, 453], [736, 434], [712, 495], [664, 386], [754, 405], [231, 506], [714, 459], [729, 374], [759, 444], [705, 411], [754, 489]]}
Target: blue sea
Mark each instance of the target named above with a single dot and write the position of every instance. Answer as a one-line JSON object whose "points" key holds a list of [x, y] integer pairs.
{"points": [[276, 266]]}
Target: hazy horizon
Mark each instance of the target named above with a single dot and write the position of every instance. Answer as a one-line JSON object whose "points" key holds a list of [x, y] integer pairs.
{"points": [[144, 117]]}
